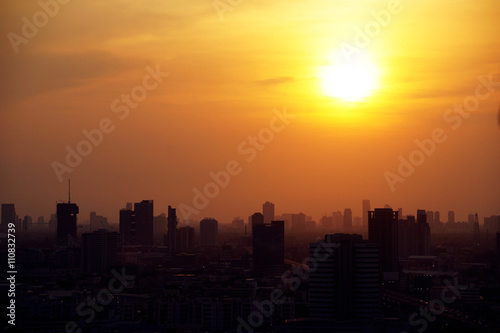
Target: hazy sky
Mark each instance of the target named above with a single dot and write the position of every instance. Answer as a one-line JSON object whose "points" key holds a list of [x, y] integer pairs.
{"points": [[225, 78]]}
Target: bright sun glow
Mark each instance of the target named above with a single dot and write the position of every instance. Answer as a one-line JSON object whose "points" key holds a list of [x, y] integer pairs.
{"points": [[350, 82]]}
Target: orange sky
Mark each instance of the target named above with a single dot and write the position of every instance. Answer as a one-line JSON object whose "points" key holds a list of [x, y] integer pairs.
{"points": [[225, 79]]}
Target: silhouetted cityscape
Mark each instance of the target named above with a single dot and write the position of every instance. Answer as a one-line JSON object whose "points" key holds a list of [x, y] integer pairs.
{"points": [[382, 271]]}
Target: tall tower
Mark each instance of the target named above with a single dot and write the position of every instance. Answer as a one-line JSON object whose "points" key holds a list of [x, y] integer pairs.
{"points": [[66, 219], [366, 208], [269, 248], [268, 211], [345, 284], [144, 226], [347, 218], [451, 217], [383, 231], [424, 234], [172, 231]]}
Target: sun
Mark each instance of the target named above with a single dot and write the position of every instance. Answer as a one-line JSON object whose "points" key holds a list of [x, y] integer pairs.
{"points": [[351, 82]]}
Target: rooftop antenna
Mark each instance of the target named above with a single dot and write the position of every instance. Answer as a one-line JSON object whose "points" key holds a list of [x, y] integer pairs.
{"points": [[69, 190]]}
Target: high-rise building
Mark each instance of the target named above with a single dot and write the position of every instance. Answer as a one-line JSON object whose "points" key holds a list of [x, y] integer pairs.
{"points": [[99, 251], [209, 229], [437, 218], [345, 284], [8, 214], [256, 219], [98, 222], [144, 222], [407, 240], [161, 229], [347, 218], [451, 217], [383, 231], [127, 226], [27, 222], [268, 211], [66, 222], [137, 226], [366, 208], [430, 217], [424, 234], [172, 229], [470, 218], [476, 233], [269, 248], [400, 213], [185, 239]]}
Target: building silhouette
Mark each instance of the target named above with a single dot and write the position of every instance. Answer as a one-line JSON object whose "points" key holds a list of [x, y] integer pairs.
{"points": [[99, 251], [66, 222], [366, 208], [137, 226], [185, 239], [423, 234], [256, 219], [347, 218], [209, 229], [269, 248], [451, 217], [383, 231], [172, 231], [345, 284], [268, 211]]}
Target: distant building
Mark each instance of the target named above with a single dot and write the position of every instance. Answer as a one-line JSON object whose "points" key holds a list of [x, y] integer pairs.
{"points": [[437, 218], [209, 229], [298, 222], [185, 239], [256, 219], [127, 226], [99, 251], [424, 234], [407, 240], [269, 248], [383, 231], [66, 222], [172, 231], [366, 208], [347, 218], [268, 211], [451, 217], [345, 284], [98, 222]]}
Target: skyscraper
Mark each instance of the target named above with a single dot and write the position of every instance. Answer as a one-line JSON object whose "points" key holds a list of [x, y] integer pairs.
{"points": [[8, 214], [66, 222], [209, 229], [185, 239], [383, 231], [347, 218], [172, 229], [451, 217], [366, 208], [424, 234], [144, 227], [437, 218], [256, 219], [127, 226], [345, 284], [99, 251], [268, 211], [269, 248]]}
